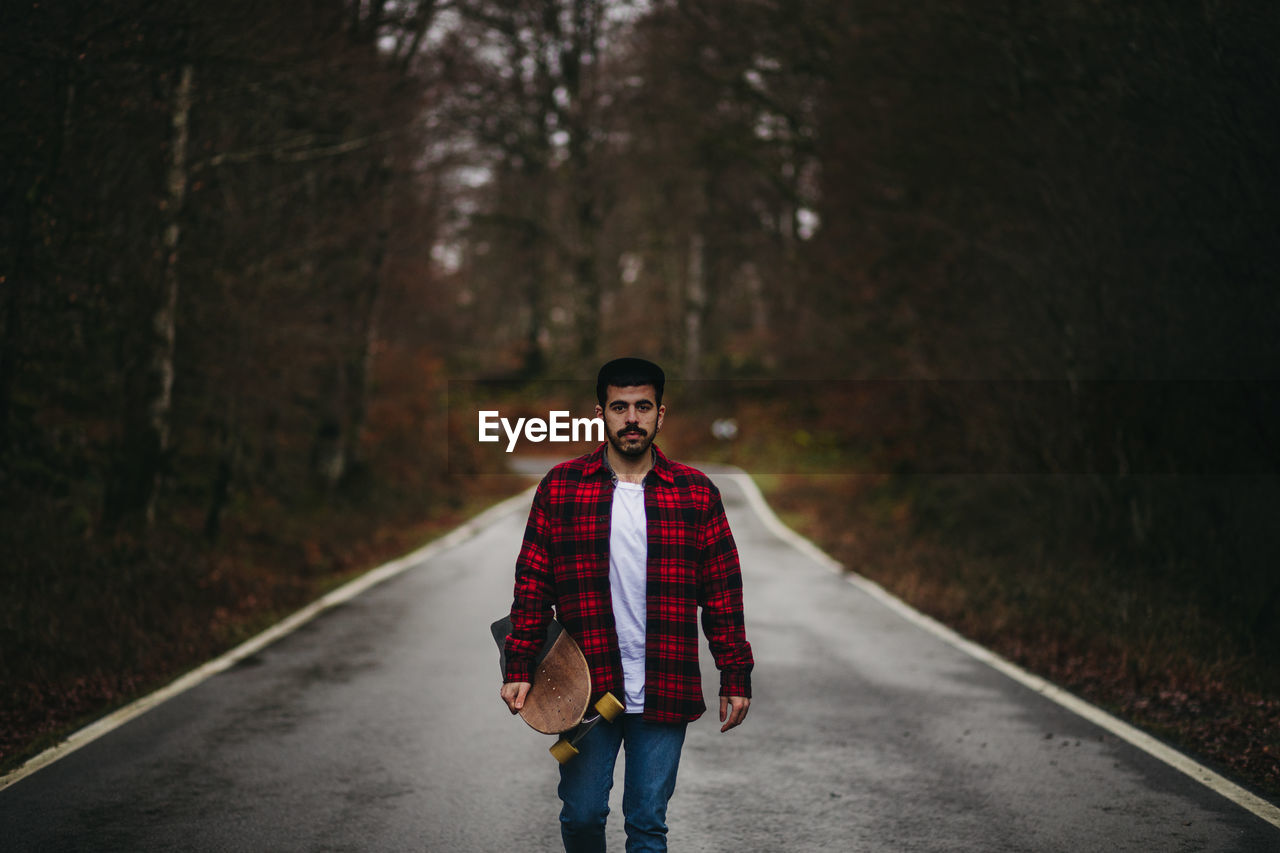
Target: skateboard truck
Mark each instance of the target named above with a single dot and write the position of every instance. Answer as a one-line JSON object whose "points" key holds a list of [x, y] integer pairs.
{"points": [[607, 708]]}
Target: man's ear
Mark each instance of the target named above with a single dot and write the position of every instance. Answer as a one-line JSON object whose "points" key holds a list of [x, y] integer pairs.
{"points": [[662, 410], [599, 411]]}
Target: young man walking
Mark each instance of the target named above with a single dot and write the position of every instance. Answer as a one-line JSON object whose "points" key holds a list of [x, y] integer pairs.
{"points": [[627, 546]]}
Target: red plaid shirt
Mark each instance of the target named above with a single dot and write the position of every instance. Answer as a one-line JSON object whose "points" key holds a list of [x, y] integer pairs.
{"points": [[692, 563]]}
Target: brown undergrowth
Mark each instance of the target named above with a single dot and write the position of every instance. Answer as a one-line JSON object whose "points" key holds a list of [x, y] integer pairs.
{"points": [[1142, 653], [135, 615]]}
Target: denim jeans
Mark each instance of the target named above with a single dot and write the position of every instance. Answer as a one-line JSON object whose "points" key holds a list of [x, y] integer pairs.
{"points": [[649, 780]]}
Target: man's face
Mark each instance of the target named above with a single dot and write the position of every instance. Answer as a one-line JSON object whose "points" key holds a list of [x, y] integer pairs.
{"points": [[631, 418]]}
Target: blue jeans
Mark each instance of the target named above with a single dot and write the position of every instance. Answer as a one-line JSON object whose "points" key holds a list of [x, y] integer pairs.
{"points": [[652, 758]]}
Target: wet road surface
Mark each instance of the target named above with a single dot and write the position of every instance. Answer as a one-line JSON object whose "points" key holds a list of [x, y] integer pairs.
{"points": [[377, 726]]}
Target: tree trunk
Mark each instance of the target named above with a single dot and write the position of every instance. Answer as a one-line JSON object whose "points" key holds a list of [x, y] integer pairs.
{"points": [[360, 367], [579, 70], [695, 298], [165, 320], [18, 275], [220, 488], [139, 465], [534, 249]]}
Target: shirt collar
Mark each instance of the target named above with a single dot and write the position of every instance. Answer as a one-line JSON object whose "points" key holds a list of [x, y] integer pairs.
{"points": [[599, 461]]}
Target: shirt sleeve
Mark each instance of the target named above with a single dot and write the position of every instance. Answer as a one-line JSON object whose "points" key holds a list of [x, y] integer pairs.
{"points": [[720, 597], [534, 592]]}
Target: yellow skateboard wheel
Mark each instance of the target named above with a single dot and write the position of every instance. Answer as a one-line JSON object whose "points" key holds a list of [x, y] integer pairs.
{"points": [[609, 707], [562, 750]]}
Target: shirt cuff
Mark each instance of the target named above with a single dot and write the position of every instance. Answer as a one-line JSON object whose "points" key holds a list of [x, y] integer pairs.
{"points": [[519, 671], [735, 683]]}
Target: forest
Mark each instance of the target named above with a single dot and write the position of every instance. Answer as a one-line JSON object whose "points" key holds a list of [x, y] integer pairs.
{"points": [[990, 287]]}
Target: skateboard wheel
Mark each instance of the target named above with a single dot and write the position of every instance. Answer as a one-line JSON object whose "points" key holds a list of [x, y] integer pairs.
{"points": [[609, 707], [563, 751]]}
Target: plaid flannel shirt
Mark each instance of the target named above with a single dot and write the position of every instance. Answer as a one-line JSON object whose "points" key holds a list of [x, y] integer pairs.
{"points": [[692, 562]]}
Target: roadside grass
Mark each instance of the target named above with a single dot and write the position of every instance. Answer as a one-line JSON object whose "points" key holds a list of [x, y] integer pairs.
{"points": [[96, 626], [1154, 653], [1154, 597]]}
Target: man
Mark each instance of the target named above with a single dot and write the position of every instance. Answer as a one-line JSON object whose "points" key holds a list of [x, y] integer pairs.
{"points": [[627, 546]]}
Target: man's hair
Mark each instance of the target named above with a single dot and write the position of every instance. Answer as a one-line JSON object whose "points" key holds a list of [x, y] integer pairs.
{"points": [[629, 372]]}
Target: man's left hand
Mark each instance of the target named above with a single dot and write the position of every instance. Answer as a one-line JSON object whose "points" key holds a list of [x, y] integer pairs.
{"points": [[733, 710]]}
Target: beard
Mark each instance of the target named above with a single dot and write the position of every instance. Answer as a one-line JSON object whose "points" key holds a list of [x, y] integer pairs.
{"points": [[632, 442]]}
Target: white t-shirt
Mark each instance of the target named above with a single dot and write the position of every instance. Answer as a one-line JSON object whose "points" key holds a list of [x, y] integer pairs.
{"points": [[628, 583]]}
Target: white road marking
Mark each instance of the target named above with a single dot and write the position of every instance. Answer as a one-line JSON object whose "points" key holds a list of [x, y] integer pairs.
{"points": [[342, 594], [1143, 741]]}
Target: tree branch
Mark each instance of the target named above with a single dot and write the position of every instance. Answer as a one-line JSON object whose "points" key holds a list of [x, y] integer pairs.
{"points": [[291, 151]]}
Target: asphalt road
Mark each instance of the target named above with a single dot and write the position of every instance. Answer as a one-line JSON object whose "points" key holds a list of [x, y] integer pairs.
{"points": [[377, 726]]}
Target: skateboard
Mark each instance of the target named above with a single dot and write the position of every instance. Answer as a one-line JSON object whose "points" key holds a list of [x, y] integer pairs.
{"points": [[561, 688]]}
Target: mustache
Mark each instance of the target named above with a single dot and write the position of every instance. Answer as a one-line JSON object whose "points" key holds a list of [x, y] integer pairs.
{"points": [[632, 430]]}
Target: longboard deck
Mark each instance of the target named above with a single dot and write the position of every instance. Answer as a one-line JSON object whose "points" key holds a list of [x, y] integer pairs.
{"points": [[561, 687]]}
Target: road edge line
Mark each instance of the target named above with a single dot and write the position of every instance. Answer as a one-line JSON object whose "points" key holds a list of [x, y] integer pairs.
{"points": [[88, 734], [1154, 747]]}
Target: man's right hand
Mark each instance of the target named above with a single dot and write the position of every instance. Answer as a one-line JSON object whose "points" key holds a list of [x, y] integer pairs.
{"points": [[513, 693]]}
